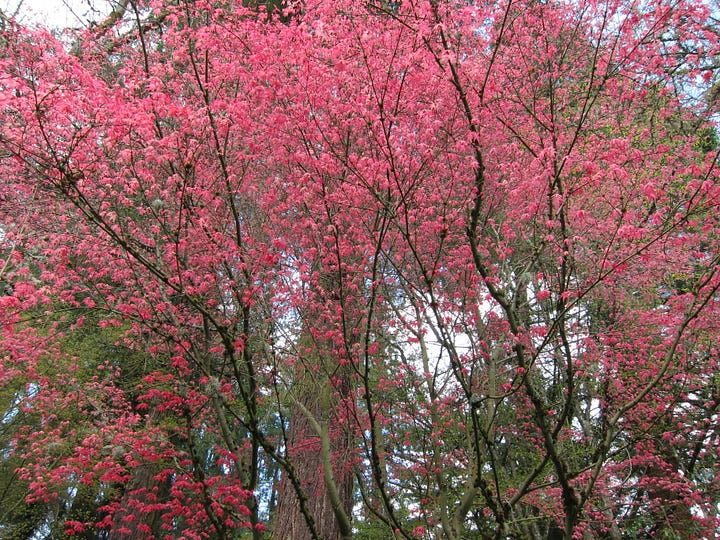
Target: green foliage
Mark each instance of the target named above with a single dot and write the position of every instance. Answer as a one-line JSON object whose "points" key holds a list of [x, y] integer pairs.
{"points": [[707, 139], [84, 345]]}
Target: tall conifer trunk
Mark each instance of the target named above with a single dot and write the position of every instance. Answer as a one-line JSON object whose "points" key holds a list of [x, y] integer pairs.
{"points": [[305, 448], [321, 385]]}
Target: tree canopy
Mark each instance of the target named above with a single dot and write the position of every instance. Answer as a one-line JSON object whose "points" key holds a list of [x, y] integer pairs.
{"points": [[416, 270]]}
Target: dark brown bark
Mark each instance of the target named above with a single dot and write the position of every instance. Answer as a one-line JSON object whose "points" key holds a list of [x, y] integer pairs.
{"points": [[673, 516], [132, 518], [321, 384], [304, 448]]}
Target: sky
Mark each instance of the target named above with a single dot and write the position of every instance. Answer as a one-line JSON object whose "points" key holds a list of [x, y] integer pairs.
{"points": [[55, 13]]}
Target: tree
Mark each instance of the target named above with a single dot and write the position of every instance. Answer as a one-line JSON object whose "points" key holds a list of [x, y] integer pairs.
{"points": [[450, 268]]}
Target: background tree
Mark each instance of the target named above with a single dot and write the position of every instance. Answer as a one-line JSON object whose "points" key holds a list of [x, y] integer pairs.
{"points": [[450, 269]]}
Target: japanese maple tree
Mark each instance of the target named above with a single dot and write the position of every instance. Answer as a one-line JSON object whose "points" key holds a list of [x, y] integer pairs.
{"points": [[419, 269]]}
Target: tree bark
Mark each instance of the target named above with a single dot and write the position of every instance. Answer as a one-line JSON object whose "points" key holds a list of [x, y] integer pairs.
{"points": [[320, 385], [142, 490], [305, 449]]}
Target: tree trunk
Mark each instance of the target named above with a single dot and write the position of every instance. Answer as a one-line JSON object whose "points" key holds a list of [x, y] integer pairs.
{"points": [[317, 397], [304, 447], [133, 520]]}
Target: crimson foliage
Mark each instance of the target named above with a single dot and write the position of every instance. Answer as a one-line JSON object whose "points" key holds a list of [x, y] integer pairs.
{"points": [[471, 248]]}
